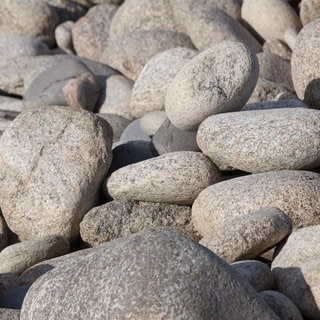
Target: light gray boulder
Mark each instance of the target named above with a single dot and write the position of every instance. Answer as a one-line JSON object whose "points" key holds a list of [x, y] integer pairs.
{"points": [[309, 11], [134, 132], [63, 37]]}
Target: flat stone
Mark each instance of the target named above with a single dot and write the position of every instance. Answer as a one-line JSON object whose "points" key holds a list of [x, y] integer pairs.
{"points": [[190, 281], [176, 178], [262, 140], [9, 314], [280, 104], [35, 170], [237, 197], [246, 237], [309, 11], [63, 37], [3, 234]]}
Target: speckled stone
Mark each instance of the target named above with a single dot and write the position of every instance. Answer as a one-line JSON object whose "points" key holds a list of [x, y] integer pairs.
{"points": [[237, 197], [248, 236], [63, 36], [212, 83], [277, 47], [52, 161], [126, 54], [305, 64], [175, 177], [9, 314], [166, 275], [269, 18], [280, 104], [309, 11], [152, 121], [262, 140], [150, 89], [257, 273], [3, 234]]}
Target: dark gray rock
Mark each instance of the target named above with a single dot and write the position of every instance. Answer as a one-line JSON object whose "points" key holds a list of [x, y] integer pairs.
{"points": [[3, 234], [8, 281], [13, 298]]}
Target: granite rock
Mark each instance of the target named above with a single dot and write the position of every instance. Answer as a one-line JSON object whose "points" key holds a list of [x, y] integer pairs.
{"points": [[9, 314], [277, 47], [280, 104], [309, 11]]}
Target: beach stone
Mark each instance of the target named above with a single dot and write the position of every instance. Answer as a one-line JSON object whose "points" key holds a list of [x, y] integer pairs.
{"points": [[309, 11], [305, 64], [258, 14], [257, 273], [231, 7], [133, 132], [176, 178], [248, 236], [67, 10], [149, 91], [237, 197], [63, 37], [175, 292], [12, 105], [3, 234], [211, 83], [266, 105], [117, 98], [262, 140], [118, 2], [168, 138], [9, 314], [121, 218], [152, 121], [36, 154], [13, 298], [33, 18], [90, 33], [277, 47], [8, 281], [125, 54]]}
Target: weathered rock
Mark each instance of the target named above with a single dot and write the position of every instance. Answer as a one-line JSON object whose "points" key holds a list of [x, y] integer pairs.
{"points": [[277, 47], [125, 54], [166, 275], [237, 197], [13, 105], [280, 104], [9, 314], [3, 234], [133, 132], [248, 236], [52, 161], [13, 298], [212, 83], [150, 89], [67, 9], [309, 11], [257, 273], [63, 36], [176, 177], [262, 140], [152, 121]]}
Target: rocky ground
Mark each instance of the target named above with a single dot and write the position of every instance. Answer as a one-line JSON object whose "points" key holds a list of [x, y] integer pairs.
{"points": [[160, 159]]}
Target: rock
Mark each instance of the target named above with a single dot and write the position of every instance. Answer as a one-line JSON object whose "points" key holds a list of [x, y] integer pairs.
{"points": [[152, 121], [211, 83], [266, 105], [231, 7], [262, 140], [90, 33], [248, 236], [21, 256], [150, 89], [257, 15], [3, 234], [8, 281], [13, 298], [9, 314], [120, 218], [309, 11], [277, 47], [176, 178], [305, 64], [168, 138], [63, 36], [133, 132], [117, 98], [237, 197], [281, 305], [67, 9], [126, 54], [154, 266], [35, 170], [257, 273], [107, 1], [34, 19], [13, 105]]}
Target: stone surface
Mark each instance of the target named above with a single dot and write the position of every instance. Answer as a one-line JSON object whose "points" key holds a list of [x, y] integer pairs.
{"points": [[309, 11], [133, 132], [9, 314], [166, 275], [52, 161], [68, 10], [277, 47], [3, 234], [120, 218], [13, 298], [90, 33], [8, 281], [305, 64], [150, 89], [257, 273], [125, 54], [248, 236], [152, 121], [258, 14], [175, 177], [211, 83], [63, 36], [265, 105], [262, 140], [237, 197]]}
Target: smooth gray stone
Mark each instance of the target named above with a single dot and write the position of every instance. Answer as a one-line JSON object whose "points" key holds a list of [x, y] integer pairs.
{"points": [[133, 132]]}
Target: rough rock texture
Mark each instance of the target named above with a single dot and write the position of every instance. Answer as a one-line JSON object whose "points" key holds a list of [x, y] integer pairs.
{"points": [[9, 314], [239, 196], [277, 47], [309, 11], [63, 37], [125, 54], [3, 234], [248, 236], [175, 177], [150, 89], [120, 218], [152, 121], [262, 140], [166, 275], [52, 162], [258, 16], [212, 83], [305, 64], [257, 273], [90, 33], [265, 105]]}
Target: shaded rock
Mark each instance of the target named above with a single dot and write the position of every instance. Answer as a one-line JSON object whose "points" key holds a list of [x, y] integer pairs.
{"points": [[13, 298], [262, 140], [133, 132], [265, 105], [277, 47], [3, 234], [36, 154], [9, 314], [67, 9], [231, 7], [166, 275], [152, 121], [237, 197], [175, 178], [211, 83], [63, 36], [8, 281], [309, 11], [248, 236]]}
